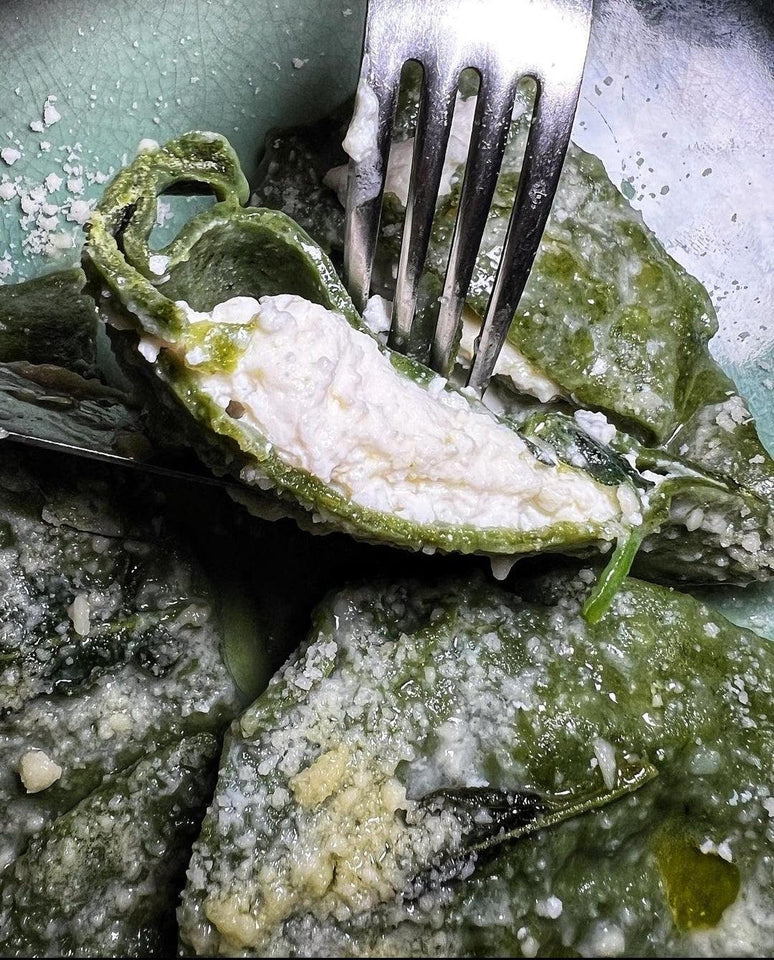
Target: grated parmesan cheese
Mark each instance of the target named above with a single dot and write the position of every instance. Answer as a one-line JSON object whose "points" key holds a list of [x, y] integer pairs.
{"points": [[38, 771]]}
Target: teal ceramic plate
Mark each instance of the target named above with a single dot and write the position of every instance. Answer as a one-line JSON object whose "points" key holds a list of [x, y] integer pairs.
{"points": [[676, 101]]}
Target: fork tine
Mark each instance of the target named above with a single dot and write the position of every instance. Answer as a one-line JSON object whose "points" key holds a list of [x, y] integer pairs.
{"points": [[547, 144], [490, 129], [433, 126], [365, 187]]}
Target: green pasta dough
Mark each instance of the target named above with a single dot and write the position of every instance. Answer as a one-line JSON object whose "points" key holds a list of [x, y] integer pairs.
{"points": [[388, 794]]}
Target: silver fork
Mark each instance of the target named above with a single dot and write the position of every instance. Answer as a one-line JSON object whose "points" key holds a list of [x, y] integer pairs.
{"points": [[504, 40]]}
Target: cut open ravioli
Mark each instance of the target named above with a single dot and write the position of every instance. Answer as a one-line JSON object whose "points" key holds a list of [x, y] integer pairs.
{"points": [[252, 332], [328, 402]]}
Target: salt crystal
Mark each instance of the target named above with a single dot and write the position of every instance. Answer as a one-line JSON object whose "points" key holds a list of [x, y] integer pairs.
{"points": [[149, 348], [79, 612], [50, 113], [529, 946], [10, 155], [158, 264], [724, 851], [60, 241], [605, 754], [79, 211], [551, 907], [606, 940], [38, 771]]}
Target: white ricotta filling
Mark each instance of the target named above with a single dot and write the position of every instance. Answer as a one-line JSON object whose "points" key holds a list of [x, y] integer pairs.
{"points": [[524, 375], [399, 166], [512, 364], [332, 404], [360, 144], [596, 425], [377, 314]]}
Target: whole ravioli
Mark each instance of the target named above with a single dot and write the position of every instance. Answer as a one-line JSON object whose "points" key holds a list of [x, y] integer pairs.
{"points": [[114, 692], [270, 374], [364, 798]]}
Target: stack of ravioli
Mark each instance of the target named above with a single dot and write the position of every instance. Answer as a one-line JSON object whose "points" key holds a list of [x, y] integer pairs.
{"points": [[572, 762]]}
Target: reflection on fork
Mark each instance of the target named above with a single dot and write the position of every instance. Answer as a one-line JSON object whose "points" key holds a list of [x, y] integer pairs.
{"points": [[503, 41]]}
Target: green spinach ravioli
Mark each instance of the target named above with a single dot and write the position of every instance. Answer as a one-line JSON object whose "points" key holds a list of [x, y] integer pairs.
{"points": [[114, 692], [577, 763], [265, 351], [611, 330], [411, 783]]}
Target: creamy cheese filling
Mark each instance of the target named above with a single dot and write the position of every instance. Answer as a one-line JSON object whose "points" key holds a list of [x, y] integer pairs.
{"points": [[332, 404], [524, 376], [360, 144]]}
